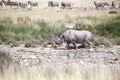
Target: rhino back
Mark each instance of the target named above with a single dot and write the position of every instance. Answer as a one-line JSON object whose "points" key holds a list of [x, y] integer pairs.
{"points": [[89, 36], [74, 35]]}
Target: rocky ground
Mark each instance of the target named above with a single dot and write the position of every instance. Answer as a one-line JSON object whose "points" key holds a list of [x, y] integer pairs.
{"points": [[38, 55]]}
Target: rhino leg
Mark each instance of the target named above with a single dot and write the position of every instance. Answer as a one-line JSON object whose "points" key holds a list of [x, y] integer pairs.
{"points": [[89, 43], [68, 45], [75, 45]]}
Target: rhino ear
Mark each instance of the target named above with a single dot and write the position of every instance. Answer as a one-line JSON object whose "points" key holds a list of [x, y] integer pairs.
{"points": [[62, 37], [59, 35]]}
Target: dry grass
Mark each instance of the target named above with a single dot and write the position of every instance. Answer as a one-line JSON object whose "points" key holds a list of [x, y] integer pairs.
{"points": [[54, 71], [56, 15], [64, 72]]}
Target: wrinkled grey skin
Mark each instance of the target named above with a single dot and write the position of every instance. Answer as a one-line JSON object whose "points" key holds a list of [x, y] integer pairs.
{"points": [[74, 36], [55, 41], [58, 41]]}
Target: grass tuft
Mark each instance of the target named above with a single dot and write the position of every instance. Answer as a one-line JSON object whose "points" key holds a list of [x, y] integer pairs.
{"points": [[5, 61]]}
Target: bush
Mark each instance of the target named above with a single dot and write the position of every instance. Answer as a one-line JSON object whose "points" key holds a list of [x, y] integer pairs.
{"points": [[80, 26], [110, 30]]}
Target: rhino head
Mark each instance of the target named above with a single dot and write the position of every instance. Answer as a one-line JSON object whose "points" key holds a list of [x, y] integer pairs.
{"points": [[58, 40]]}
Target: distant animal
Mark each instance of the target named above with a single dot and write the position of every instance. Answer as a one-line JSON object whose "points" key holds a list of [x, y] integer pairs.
{"points": [[106, 4], [98, 5], [14, 4], [53, 4], [2, 3], [23, 5], [8, 3], [66, 5], [11, 3], [75, 36], [34, 4], [113, 4]]}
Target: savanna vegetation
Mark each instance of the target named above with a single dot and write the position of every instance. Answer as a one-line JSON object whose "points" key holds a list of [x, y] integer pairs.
{"points": [[36, 27], [29, 35]]}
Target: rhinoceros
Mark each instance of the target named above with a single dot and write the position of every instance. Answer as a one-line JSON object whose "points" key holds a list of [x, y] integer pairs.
{"points": [[75, 36]]}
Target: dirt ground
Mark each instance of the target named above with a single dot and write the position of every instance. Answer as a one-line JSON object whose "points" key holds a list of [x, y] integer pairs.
{"points": [[34, 56]]}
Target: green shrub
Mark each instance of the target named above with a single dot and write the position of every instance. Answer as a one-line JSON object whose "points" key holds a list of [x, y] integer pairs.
{"points": [[28, 44], [110, 30], [81, 26]]}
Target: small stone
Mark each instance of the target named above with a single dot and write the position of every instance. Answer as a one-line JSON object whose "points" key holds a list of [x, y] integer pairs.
{"points": [[116, 59], [81, 62], [63, 56], [91, 50], [71, 55], [49, 45], [69, 27], [29, 60]]}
